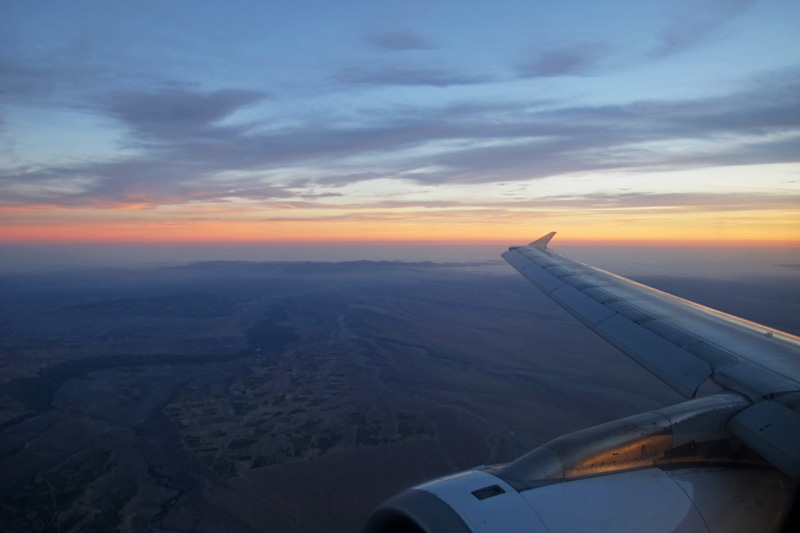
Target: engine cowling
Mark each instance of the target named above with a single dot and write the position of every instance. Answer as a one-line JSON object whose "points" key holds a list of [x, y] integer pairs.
{"points": [[712, 499], [676, 469]]}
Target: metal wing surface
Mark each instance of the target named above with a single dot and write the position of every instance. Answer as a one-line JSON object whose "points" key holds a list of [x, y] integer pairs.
{"points": [[690, 347]]}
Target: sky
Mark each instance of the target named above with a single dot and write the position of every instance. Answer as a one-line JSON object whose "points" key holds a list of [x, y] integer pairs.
{"points": [[421, 120]]}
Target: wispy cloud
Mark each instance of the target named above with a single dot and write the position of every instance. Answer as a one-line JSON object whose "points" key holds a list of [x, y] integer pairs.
{"points": [[694, 22], [571, 60], [426, 109], [406, 75], [179, 115], [705, 202], [185, 152], [399, 41]]}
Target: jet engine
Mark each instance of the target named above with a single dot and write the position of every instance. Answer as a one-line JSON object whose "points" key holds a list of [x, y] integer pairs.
{"points": [[672, 470]]}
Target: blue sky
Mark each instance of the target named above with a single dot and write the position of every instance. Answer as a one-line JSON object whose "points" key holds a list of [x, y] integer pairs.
{"points": [[280, 119]]}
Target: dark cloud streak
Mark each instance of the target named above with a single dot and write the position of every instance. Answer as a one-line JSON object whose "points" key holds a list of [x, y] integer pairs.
{"points": [[570, 61], [411, 76], [181, 113], [399, 41], [184, 148], [696, 21]]}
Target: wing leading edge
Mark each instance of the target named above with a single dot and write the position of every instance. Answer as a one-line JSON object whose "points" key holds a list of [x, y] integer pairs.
{"points": [[686, 345]]}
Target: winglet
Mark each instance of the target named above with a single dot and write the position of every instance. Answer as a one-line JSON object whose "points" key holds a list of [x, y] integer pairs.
{"points": [[542, 242]]}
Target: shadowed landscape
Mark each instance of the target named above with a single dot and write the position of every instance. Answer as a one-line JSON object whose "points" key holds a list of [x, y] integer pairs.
{"points": [[244, 396], [250, 254]]}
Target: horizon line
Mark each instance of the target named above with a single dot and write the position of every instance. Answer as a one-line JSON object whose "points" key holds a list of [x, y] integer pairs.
{"points": [[559, 240]]}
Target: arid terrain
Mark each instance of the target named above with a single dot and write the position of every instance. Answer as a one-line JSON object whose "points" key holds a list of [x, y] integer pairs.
{"points": [[242, 396]]}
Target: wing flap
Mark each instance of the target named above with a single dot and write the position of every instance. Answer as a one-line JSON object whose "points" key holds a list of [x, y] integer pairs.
{"points": [[587, 310], [546, 282], [773, 431], [752, 380], [677, 368]]}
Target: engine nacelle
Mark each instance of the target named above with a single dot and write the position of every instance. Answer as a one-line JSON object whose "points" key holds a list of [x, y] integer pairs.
{"points": [[714, 499], [674, 469]]}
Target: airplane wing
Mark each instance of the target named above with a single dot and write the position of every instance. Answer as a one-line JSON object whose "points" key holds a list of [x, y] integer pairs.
{"points": [[686, 345], [727, 459]]}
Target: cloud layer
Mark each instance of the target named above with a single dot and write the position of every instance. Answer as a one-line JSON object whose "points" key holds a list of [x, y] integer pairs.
{"points": [[240, 114]]}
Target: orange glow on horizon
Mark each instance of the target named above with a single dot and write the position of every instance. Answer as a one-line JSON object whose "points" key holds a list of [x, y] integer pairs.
{"points": [[215, 223], [328, 231]]}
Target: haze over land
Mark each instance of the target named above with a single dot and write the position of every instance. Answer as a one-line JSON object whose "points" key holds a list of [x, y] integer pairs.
{"points": [[295, 396]]}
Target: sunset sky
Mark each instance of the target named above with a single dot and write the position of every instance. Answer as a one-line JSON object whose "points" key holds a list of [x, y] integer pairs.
{"points": [[187, 121]]}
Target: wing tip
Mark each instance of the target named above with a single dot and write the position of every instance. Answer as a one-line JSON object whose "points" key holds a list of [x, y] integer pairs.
{"points": [[542, 242]]}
